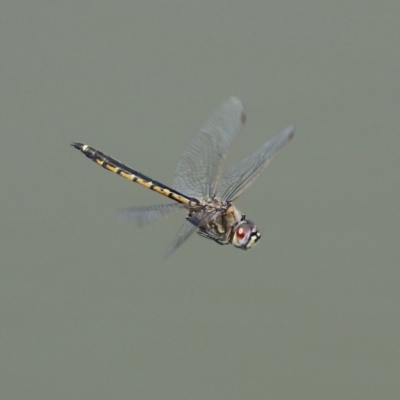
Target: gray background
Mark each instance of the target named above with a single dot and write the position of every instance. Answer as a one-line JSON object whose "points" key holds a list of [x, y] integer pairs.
{"points": [[89, 310]]}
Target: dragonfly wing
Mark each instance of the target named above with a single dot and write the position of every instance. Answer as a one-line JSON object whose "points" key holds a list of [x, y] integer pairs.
{"points": [[240, 176], [186, 230], [147, 214], [199, 170]]}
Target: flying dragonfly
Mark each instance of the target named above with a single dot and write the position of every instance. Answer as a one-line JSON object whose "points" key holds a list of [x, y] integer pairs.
{"points": [[200, 187]]}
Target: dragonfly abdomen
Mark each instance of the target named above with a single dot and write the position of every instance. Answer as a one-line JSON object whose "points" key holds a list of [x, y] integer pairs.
{"points": [[115, 166]]}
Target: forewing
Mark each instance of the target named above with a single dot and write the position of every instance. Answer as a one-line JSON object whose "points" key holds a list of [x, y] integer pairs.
{"points": [[186, 230], [199, 171], [147, 214], [241, 175]]}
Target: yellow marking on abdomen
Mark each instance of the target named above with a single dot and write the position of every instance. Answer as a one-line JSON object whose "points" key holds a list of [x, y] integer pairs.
{"points": [[107, 166], [125, 175], [164, 191], [111, 168]]}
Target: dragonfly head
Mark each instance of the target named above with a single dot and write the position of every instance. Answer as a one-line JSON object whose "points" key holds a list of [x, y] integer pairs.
{"points": [[245, 234]]}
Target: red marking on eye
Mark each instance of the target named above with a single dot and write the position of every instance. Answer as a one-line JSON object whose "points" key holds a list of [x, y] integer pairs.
{"points": [[240, 233]]}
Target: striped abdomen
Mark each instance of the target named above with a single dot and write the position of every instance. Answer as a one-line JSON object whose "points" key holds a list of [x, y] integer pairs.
{"points": [[126, 172]]}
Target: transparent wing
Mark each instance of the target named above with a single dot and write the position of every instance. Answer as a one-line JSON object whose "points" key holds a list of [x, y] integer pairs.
{"points": [[186, 230], [241, 175], [199, 170], [147, 214]]}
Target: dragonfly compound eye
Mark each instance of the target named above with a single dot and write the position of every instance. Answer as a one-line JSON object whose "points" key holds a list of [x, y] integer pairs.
{"points": [[246, 235]]}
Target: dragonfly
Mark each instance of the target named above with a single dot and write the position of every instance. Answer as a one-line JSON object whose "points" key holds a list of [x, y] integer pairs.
{"points": [[200, 186]]}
